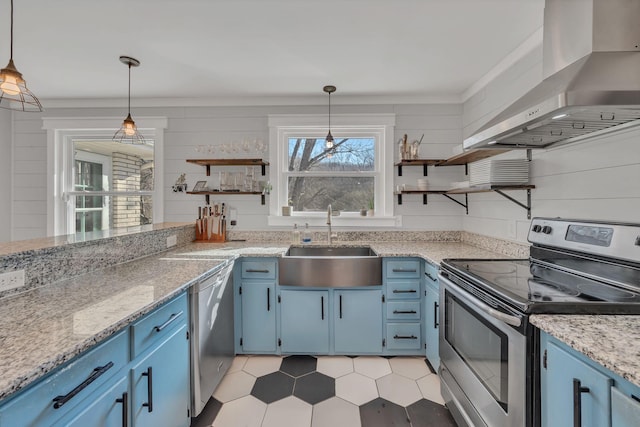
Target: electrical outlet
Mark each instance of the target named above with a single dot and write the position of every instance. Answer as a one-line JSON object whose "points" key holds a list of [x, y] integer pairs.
{"points": [[11, 280], [172, 240]]}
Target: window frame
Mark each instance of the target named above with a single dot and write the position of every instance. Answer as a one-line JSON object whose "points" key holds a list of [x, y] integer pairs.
{"points": [[379, 126], [61, 134]]}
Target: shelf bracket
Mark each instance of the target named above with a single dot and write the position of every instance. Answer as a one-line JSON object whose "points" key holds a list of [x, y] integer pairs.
{"points": [[262, 198], [424, 198], [424, 170], [527, 207], [399, 170], [208, 171], [399, 198], [206, 198], [264, 171], [465, 205]]}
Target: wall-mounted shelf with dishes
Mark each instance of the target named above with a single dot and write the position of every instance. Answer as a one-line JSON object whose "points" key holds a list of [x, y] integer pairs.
{"points": [[425, 194], [229, 162], [466, 157]]}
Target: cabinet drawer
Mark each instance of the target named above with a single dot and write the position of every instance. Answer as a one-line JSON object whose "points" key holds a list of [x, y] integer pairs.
{"points": [[35, 406], [401, 269], [431, 276], [258, 269], [155, 325], [403, 289], [397, 310], [403, 336]]}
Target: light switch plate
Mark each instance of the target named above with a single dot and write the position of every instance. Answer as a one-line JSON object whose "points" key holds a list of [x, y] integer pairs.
{"points": [[172, 240], [11, 280]]}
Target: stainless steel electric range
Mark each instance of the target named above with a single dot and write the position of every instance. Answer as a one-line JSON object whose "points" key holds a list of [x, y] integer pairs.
{"points": [[488, 349]]}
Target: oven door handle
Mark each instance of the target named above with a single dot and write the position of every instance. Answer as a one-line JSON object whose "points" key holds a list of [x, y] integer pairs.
{"points": [[496, 314]]}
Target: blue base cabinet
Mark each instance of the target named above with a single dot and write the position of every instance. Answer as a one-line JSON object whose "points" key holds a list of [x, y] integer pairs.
{"points": [[105, 386], [255, 305], [403, 290], [357, 321], [575, 390], [432, 311], [304, 321]]}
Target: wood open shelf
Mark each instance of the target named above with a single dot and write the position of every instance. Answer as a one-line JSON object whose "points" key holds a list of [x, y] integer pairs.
{"points": [[417, 162], [487, 188], [229, 162], [206, 194], [472, 156]]}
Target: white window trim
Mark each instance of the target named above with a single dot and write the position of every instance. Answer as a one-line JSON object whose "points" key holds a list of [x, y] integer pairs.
{"points": [[60, 134], [382, 125], [106, 173]]}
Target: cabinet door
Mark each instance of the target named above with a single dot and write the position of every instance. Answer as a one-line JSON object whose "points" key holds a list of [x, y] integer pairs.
{"points": [[560, 391], [625, 411], [432, 311], [258, 331], [160, 391], [358, 321], [109, 407], [304, 321]]}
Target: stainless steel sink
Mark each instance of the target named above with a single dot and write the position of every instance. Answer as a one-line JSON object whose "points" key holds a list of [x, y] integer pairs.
{"points": [[330, 267]]}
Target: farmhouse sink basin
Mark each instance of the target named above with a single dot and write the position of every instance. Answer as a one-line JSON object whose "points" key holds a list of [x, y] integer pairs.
{"points": [[330, 267]]}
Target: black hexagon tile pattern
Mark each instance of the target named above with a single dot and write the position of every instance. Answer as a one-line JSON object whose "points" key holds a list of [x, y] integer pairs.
{"points": [[327, 391]]}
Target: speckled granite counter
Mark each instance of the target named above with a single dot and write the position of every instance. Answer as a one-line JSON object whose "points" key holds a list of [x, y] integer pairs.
{"points": [[47, 326], [612, 341]]}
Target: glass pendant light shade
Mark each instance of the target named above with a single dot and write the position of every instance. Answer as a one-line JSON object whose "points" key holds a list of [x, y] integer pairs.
{"points": [[328, 141], [14, 94], [128, 132]]}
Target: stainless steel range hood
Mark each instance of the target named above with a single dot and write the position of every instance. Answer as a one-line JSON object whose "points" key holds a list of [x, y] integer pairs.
{"points": [[591, 70]]}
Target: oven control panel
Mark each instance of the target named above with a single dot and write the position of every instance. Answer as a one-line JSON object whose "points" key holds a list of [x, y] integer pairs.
{"points": [[614, 240]]}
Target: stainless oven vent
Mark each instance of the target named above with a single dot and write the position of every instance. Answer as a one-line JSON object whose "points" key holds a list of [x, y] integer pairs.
{"points": [[591, 71]]}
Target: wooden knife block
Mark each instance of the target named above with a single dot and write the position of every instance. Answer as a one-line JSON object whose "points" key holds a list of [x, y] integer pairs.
{"points": [[203, 236]]}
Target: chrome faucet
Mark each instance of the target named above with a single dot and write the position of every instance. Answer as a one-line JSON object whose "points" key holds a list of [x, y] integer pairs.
{"points": [[329, 234]]}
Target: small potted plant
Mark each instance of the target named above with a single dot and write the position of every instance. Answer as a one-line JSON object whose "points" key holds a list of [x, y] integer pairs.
{"points": [[286, 210], [370, 211], [363, 211]]}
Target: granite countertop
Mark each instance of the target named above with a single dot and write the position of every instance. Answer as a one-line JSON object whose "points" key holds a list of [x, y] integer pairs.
{"points": [[611, 340]]}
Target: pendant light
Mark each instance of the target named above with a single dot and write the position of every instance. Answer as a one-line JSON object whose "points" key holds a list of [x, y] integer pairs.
{"points": [[14, 94], [329, 139], [128, 133]]}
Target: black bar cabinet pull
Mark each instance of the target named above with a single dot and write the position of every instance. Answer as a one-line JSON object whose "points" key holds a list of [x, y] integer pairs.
{"points": [[58, 401], [149, 375], [340, 306], [268, 299], [171, 319], [404, 270], [435, 315], [125, 408], [404, 312], [426, 273], [249, 270], [577, 402], [404, 337], [404, 291], [322, 308]]}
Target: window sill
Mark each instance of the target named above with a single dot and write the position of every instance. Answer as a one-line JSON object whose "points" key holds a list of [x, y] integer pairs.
{"points": [[346, 221]]}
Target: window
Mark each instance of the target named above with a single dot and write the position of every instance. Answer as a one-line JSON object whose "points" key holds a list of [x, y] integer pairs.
{"points": [[97, 184], [351, 176]]}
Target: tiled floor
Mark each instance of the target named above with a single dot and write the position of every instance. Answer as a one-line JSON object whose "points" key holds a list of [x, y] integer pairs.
{"points": [[332, 391]]}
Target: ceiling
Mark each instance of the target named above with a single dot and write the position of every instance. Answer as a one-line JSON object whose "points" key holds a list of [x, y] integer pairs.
{"points": [[69, 49]]}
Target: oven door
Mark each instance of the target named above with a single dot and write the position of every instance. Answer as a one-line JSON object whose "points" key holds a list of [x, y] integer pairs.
{"points": [[483, 360]]}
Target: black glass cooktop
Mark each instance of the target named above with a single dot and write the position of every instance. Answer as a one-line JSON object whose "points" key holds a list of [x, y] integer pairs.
{"points": [[540, 287]]}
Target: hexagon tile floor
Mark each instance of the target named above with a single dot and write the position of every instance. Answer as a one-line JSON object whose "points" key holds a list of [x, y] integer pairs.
{"points": [[332, 391]]}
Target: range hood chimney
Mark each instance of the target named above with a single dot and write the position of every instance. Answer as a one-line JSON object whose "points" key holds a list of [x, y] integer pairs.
{"points": [[591, 71]]}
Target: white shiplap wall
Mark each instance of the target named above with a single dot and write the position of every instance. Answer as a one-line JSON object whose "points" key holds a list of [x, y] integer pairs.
{"points": [[595, 179], [5, 175], [190, 127]]}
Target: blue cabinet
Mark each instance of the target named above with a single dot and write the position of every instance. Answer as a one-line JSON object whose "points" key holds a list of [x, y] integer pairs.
{"points": [[357, 321], [575, 390], [304, 321], [255, 305], [106, 387], [403, 290], [432, 314], [160, 383]]}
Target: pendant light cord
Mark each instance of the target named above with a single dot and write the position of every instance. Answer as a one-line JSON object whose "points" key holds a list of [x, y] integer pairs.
{"points": [[329, 111], [129, 94], [11, 49]]}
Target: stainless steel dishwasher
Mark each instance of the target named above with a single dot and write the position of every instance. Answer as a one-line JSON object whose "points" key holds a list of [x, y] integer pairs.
{"points": [[211, 326]]}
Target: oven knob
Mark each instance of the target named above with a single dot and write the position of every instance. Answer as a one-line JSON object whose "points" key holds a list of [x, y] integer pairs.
{"points": [[536, 228], [546, 229]]}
